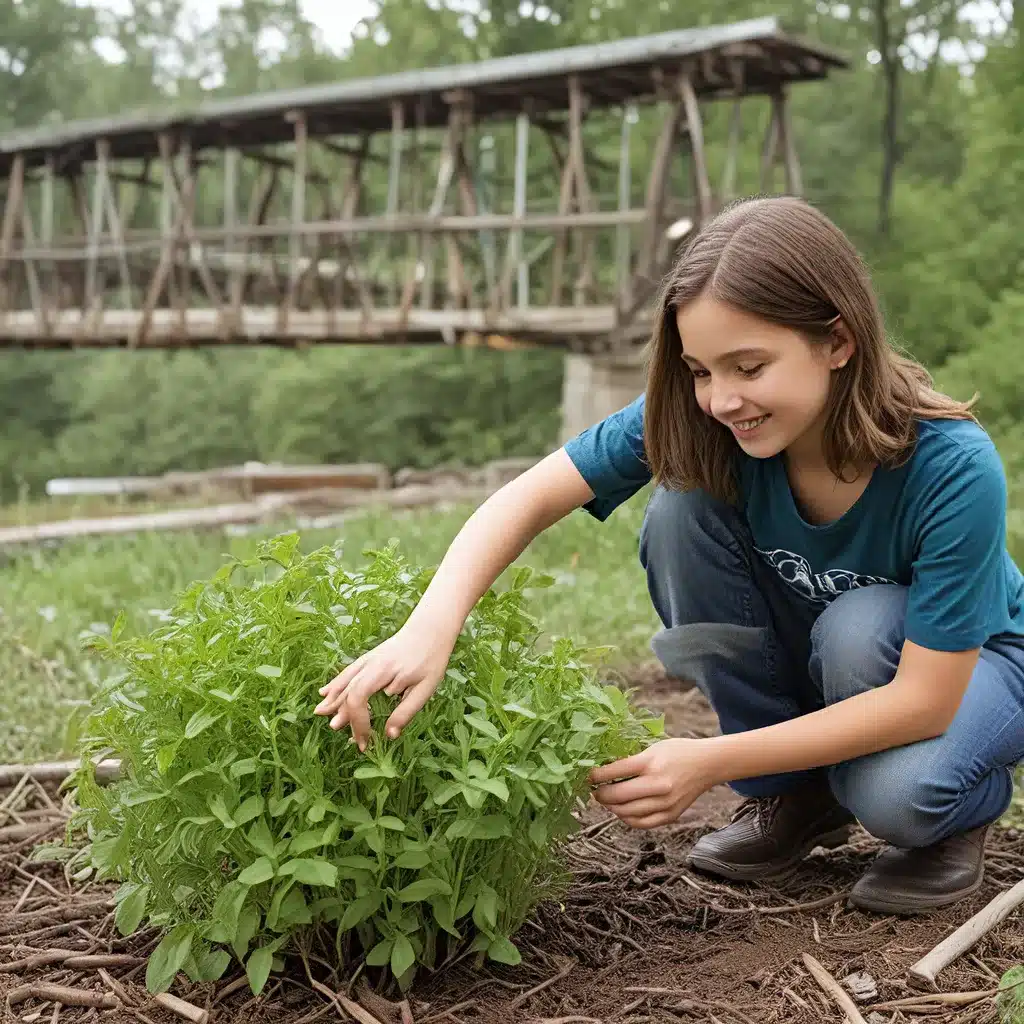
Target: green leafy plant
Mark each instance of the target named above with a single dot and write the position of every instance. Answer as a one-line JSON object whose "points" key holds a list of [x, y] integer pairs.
{"points": [[242, 821], [1010, 1000]]}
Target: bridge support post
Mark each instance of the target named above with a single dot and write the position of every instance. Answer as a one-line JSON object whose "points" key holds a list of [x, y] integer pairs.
{"points": [[594, 386]]}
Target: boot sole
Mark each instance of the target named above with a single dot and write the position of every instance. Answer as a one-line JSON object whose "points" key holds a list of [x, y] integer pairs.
{"points": [[771, 869], [880, 904]]}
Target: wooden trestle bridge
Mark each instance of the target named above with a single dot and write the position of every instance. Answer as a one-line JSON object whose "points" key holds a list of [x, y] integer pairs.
{"points": [[462, 202]]}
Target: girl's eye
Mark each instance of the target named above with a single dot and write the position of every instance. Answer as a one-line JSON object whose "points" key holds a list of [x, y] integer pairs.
{"points": [[751, 371], [699, 374]]}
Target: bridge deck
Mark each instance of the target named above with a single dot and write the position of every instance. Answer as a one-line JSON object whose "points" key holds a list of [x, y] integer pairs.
{"points": [[582, 328], [410, 207]]}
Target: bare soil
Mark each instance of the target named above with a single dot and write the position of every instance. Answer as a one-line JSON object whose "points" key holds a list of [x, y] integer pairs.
{"points": [[638, 938]]}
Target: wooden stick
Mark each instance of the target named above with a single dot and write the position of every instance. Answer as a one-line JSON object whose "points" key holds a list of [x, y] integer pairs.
{"points": [[924, 972], [529, 993], [56, 771], [64, 996], [182, 1008], [115, 987], [834, 989], [936, 999]]}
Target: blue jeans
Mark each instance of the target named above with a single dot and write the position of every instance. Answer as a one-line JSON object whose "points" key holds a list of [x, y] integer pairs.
{"points": [[763, 654]]}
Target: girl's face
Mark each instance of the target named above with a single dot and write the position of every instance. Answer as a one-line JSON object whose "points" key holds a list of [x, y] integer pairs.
{"points": [[766, 383]]}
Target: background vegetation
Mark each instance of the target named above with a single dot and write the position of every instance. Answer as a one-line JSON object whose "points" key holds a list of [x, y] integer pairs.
{"points": [[917, 151]]}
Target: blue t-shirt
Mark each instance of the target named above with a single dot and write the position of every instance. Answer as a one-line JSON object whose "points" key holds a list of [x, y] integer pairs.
{"points": [[936, 524]]}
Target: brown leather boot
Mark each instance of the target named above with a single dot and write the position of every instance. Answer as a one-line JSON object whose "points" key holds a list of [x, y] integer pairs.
{"points": [[769, 836], [922, 879]]}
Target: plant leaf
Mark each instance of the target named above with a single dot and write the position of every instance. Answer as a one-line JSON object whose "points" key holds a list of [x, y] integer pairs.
{"points": [[248, 922], [424, 889], [504, 951], [483, 726], [310, 871], [381, 953], [168, 958], [259, 871], [131, 910], [360, 909], [201, 721], [402, 955], [257, 968], [270, 671]]}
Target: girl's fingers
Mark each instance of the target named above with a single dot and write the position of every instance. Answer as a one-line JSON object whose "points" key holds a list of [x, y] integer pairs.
{"points": [[344, 677], [640, 808], [616, 794], [651, 820], [415, 697]]}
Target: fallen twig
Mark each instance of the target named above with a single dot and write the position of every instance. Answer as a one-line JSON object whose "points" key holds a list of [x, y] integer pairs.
{"points": [[70, 958], [834, 989], [688, 1002], [522, 997], [117, 988], [353, 1009], [231, 988], [64, 996], [936, 999], [924, 972], [182, 1008], [55, 771]]}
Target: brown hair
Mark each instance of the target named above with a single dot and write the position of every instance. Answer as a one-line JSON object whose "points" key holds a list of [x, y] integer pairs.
{"points": [[781, 259]]}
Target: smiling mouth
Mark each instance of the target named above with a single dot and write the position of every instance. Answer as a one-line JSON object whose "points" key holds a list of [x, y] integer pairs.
{"points": [[745, 426]]}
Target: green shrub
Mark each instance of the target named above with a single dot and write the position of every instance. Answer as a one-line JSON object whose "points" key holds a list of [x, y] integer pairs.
{"points": [[1010, 1000], [241, 819]]}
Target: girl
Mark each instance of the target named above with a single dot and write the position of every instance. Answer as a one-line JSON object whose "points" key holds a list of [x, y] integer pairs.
{"points": [[826, 548]]}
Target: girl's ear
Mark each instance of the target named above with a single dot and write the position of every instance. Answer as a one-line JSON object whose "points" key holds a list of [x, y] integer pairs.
{"points": [[842, 344]]}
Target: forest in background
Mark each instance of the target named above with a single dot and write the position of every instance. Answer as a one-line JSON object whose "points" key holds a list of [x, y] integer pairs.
{"points": [[917, 152]]}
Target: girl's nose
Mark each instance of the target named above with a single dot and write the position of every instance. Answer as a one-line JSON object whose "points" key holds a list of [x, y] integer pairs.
{"points": [[724, 400]]}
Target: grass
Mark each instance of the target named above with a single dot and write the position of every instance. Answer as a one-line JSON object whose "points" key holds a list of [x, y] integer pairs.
{"points": [[50, 596]]}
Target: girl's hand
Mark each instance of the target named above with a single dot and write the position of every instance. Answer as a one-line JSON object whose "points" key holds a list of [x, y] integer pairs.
{"points": [[659, 783], [408, 662]]}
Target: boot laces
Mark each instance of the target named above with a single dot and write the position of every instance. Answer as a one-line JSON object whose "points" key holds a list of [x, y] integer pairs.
{"points": [[764, 807]]}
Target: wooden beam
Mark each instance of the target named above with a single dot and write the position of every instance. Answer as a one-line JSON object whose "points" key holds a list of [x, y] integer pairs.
{"points": [[445, 172], [656, 182], [415, 239], [696, 131], [623, 238], [769, 150], [728, 192], [584, 198], [791, 163], [515, 238], [259, 202], [12, 218], [295, 238], [114, 223], [394, 188], [172, 235]]}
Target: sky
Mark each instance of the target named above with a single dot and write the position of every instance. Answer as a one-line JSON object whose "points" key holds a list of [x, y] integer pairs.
{"points": [[336, 19]]}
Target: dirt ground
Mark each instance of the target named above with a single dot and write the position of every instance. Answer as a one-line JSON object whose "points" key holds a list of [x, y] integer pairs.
{"points": [[639, 938]]}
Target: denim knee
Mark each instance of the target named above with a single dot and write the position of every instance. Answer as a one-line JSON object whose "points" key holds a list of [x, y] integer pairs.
{"points": [[902, 800], [856, 641]]}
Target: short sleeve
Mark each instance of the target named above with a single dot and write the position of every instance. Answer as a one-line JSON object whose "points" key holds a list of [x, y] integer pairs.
{"points": [[610, 457], [958, 589]]}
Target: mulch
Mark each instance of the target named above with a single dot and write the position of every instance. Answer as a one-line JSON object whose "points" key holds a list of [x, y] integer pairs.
{"points": [[637, 938]]}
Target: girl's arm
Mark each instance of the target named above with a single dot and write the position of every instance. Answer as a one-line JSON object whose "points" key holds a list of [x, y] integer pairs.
{"points": [[654, 787], [919, 704], [413, 661], [497, 533]]}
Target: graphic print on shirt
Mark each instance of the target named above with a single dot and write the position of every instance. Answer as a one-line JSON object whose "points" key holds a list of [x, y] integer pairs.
{"points": [[820, 588]]}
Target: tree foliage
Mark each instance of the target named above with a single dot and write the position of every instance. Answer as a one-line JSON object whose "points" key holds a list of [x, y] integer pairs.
{"points": [[917, 152]]}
